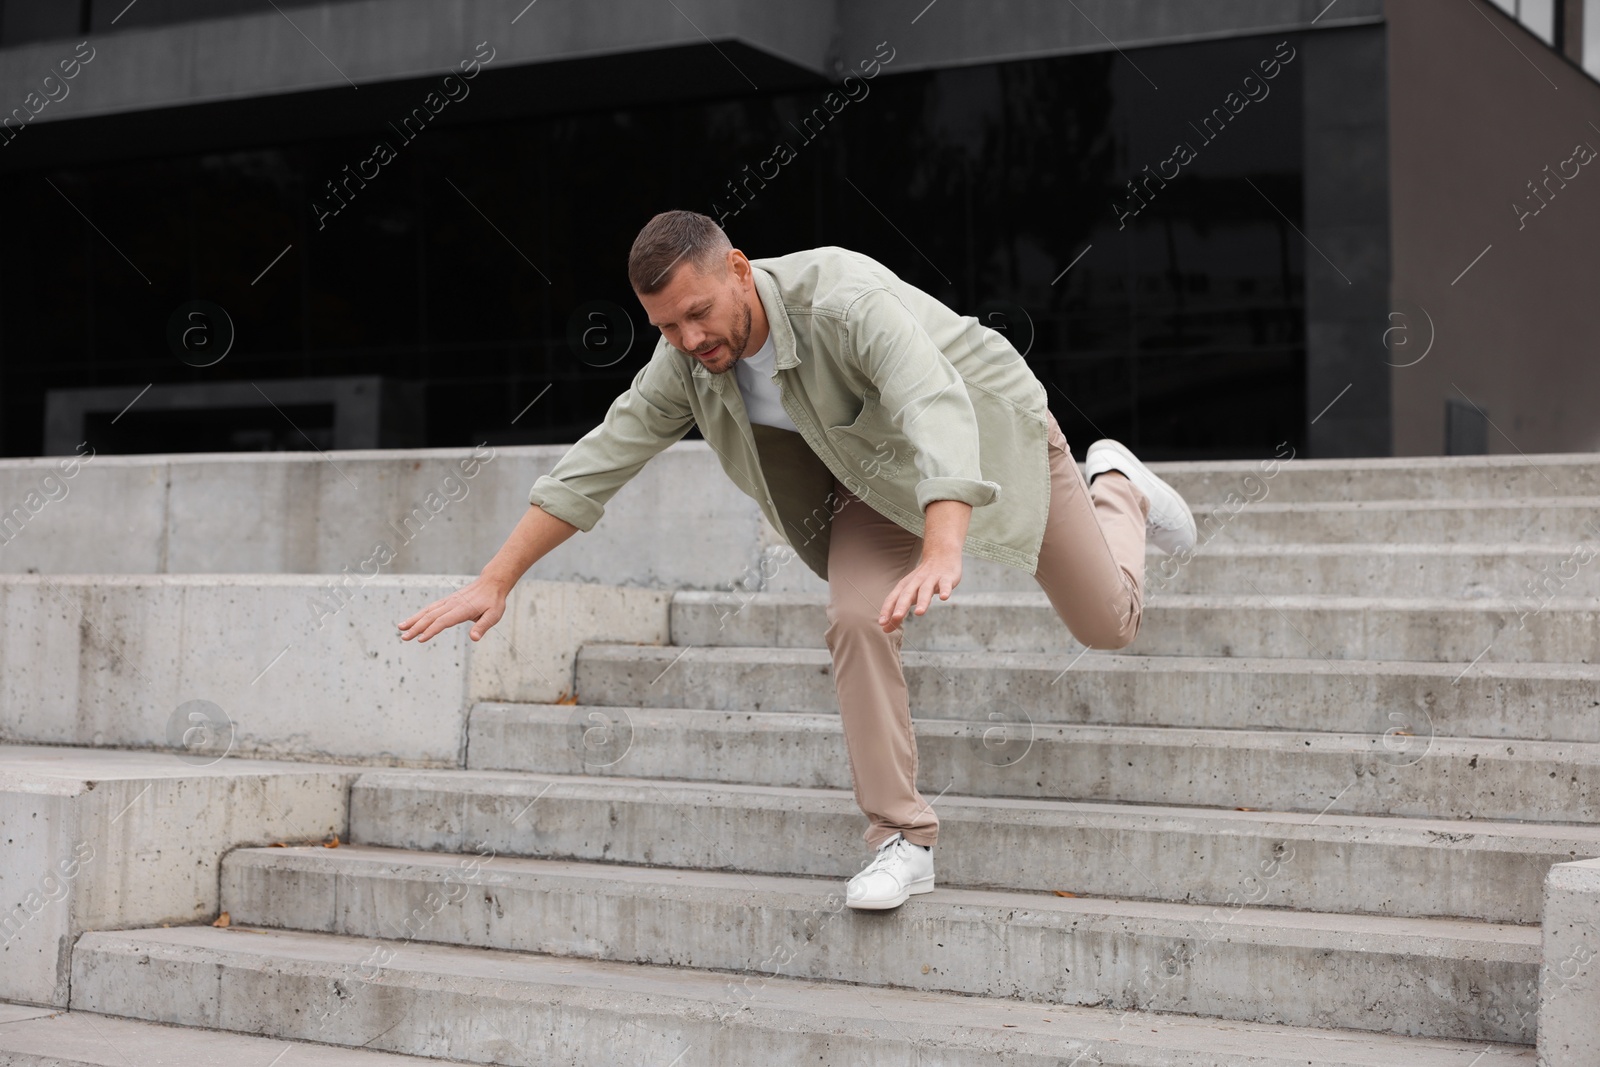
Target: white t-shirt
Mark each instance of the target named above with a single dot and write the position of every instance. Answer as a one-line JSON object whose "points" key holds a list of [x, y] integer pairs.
{"points": [[762, 401]]}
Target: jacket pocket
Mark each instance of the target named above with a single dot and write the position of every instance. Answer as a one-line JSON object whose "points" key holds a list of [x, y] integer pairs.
{"points": [[872, 443]]}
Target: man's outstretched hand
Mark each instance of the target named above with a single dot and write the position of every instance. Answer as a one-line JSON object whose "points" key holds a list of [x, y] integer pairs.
{"points": [[484, 600], [480, 603]]}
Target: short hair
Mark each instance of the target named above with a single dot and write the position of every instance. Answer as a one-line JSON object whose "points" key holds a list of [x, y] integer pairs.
{"points": [[669, 238]]}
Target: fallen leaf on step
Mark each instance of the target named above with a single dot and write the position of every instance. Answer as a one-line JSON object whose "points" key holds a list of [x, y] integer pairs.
{"points": [[332, 844], [222, 920], [277, 844], [565, 699], [1064, 893], [1244, 809]]}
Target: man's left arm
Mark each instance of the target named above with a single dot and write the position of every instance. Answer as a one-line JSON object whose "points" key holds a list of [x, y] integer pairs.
{"points": [[927, 402]]}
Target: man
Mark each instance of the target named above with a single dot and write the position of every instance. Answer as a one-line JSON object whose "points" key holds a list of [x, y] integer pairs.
{"points": [[884, 435]]}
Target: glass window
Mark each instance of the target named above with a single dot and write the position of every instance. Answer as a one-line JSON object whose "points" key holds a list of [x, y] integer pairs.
{"points": [[1591, 37], [459, 264], [1539, 16]]}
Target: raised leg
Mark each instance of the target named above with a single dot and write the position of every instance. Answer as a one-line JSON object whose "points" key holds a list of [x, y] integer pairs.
{"points": [[1091, 562]]}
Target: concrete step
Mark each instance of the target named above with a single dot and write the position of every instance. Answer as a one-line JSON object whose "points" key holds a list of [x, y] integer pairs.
{"points": [[1524, 572], [1245, 963], [44, 1037], [1538, 701], [1325, 862], [1393, 478], [1279, 770], [488, 1006], [1559, 630], [1550, 520]]}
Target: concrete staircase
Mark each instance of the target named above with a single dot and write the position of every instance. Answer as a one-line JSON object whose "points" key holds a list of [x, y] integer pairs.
{"points": [[1306, 819]]}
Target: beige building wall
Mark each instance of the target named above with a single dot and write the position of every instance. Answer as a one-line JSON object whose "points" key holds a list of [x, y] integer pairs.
{"points": [[1479, 108]]}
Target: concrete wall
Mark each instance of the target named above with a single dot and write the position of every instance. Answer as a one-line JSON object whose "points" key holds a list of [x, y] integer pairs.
{"points": [[198, 672], [1479, 107], [109, 840], [305, 513], [290, 667], [1569, 982], [190, 674]]}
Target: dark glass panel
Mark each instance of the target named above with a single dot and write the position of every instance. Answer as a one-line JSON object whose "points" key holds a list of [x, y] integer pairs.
{"points": [[460, 263]]}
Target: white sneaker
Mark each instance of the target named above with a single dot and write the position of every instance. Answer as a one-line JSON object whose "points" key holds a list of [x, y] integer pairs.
{"points": [[1170, 525], [899, 870]]}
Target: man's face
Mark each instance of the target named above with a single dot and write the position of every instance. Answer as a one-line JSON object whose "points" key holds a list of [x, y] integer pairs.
{"points": [[706, 315]]}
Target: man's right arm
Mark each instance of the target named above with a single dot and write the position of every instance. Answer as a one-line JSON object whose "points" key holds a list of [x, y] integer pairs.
{"points": [[649, 416]]}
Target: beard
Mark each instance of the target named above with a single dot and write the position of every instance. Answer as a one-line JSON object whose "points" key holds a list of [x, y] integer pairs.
{"points": [[733, 346]]}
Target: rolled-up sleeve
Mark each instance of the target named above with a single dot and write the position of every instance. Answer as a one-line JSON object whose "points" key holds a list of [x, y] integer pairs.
{"points": [[650, 415], [924, 397]]}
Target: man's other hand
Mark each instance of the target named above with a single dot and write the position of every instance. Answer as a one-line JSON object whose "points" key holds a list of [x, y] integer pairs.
{"points": [[943, 537], [480, 603], [935, 574]]}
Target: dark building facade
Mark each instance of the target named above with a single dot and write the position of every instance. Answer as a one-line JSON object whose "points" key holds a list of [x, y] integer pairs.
{"points": [[1180, 216]]}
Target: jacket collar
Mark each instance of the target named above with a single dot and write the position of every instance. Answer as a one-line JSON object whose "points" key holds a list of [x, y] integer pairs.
{"points": [[778, 324], [777, 319]]}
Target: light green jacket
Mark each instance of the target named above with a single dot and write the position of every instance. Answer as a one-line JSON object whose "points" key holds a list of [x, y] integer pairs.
{"points": [[904, 400]]}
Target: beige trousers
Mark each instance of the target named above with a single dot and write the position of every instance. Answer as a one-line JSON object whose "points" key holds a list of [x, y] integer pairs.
{"points": [[1091, 566]]}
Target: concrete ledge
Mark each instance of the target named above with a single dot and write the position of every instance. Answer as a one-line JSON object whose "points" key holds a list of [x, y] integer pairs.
{"points": [[291, 666], [205, 60], [107, 840], [437, 511], [1569, 1025], [1014, 29]]}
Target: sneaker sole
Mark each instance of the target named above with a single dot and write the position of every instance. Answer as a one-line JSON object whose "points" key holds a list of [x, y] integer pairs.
{"points": [[922, 885]]}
